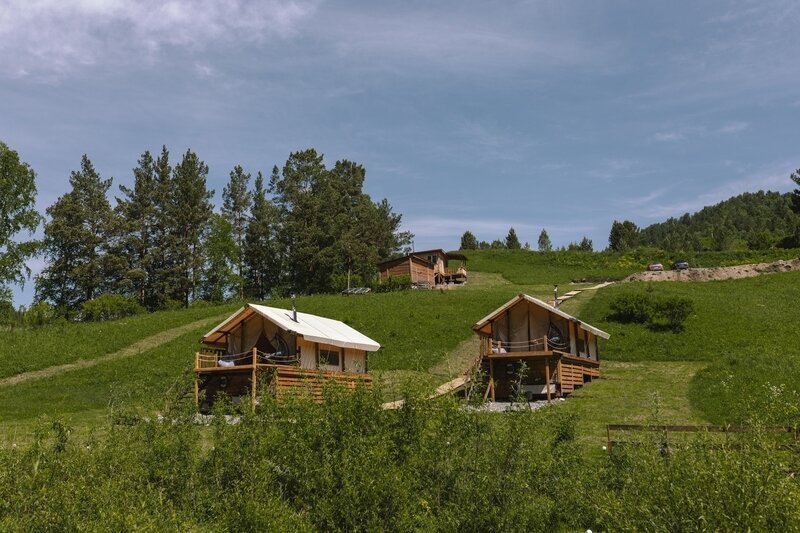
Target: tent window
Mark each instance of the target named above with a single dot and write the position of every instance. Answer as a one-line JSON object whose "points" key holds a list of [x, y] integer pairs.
{"points": [[329, 356]]}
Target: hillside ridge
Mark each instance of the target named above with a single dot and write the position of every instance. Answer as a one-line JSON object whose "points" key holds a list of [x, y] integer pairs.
{"points": [[148, 343]]}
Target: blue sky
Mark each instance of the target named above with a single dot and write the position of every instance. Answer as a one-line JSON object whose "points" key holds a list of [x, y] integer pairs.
{"points": [[467, 115]]}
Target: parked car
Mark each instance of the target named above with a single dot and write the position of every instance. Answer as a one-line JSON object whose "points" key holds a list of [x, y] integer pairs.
{"points": [[680, 264], [655, 267]]}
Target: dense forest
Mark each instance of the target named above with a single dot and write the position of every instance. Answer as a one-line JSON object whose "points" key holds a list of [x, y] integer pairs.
{"points": [[756, 221], [161, 243]]}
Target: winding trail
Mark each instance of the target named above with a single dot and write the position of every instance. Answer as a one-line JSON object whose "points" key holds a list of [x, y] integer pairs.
{"points": [[138, 347]]}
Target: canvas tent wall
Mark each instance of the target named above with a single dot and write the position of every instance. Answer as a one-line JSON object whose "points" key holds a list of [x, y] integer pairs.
{"points": [[280, 329]]}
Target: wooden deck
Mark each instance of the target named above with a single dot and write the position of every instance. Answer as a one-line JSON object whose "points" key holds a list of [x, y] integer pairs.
{"points": [[283, 381], [562, 371]]}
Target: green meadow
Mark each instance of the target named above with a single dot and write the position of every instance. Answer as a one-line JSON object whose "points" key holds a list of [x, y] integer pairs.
{"points": [[736, 360]]}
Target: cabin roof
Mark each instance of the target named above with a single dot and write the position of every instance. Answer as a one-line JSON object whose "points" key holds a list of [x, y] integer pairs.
{"points": [[312, 327], [413, 257], [497, 312], [419, 256]]}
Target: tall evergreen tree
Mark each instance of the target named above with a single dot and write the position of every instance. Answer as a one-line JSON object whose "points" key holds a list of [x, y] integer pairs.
{"points": [[468, 241], [262, 262], [328, 225], [795, 177], [219, 281], [17, 213], [191, 215], [512, 241], [76, 241], [236, 201], [623, 236], [139, 212], [544, 243]]}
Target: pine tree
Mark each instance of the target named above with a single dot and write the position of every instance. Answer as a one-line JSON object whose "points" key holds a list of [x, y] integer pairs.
{"points": [[236, 201], [76, 241], [191, 215], [167, 261], [139, 212], [468, 241], [261, 268], [544, 243], [623, 236], [512, 242], [219, 280], [17, 213]]}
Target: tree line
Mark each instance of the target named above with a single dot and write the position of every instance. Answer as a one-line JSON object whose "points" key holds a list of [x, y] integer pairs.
{"points": [[164, 245], [754, 221], [512, 242]]}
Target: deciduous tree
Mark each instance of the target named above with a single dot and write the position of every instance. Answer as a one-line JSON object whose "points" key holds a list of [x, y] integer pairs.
{"points": [[17, 214]]}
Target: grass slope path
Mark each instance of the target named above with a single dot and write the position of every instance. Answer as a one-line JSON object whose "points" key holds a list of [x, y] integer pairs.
{"points": [[143, 345]]}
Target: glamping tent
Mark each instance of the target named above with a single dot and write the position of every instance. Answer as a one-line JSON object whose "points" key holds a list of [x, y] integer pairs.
{"points": [[559, 351], [291, 350]]}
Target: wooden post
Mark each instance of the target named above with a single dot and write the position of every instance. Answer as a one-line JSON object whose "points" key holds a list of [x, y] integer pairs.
{"points": [[491, 377], [560, 376], [196, 391], [253, 379], [545, 343], [547, 374]]}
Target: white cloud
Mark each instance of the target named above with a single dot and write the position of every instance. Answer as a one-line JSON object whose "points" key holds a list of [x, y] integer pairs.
{"points": [[669, 136], [734, 127], [51, 38]]}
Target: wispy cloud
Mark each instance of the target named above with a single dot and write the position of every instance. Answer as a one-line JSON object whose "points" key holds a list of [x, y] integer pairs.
{"points": [[612, 169], [669, 136], [51, 38], [734, 127], [774, 177]]}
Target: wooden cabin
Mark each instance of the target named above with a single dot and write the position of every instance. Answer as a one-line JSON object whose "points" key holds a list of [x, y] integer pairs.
{"points": [[426, 268], [560, 351], [288, 351]]}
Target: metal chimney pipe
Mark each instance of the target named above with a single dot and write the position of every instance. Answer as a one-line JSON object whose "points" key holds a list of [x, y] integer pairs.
{"points": [[555, 296], [294, 309]]}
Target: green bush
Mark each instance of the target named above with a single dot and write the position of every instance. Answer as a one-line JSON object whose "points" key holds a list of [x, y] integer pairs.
{"points": [[671, 311], [109, 307], [339, 281], [39, 314], [631, 307], [394, 283], [658, 312]]}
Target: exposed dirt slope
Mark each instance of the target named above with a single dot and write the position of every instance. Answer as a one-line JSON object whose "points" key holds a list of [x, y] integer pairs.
{"points": [[717, 273]]}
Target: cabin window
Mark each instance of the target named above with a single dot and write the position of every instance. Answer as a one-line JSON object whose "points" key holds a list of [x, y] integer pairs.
{"points": [[581, 345], [329, 357]]}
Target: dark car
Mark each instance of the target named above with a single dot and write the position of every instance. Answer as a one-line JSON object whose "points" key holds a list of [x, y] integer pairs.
{"points": [[680, 264]]}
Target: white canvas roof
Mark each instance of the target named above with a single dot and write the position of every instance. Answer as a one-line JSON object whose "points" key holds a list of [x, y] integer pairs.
{"points": [[540, 303], [312, 327]]}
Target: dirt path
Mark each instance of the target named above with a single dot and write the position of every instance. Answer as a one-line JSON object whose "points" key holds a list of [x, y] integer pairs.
{"points": [[717, 273], [148, 343]]}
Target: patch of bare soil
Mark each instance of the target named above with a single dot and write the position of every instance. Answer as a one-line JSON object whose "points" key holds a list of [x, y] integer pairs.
{"points": [[717, 273]]}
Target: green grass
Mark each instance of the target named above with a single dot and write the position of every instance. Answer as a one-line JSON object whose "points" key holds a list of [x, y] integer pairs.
{"points": [[528, 267], [746, 329], [24, 350]]}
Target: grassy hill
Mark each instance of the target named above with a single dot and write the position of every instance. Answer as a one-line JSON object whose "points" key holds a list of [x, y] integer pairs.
{"points": [[349, 465]]}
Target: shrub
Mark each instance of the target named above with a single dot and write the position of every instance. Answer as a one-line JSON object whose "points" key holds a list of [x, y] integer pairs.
{"points": [[39, 314], [658, 312], [632, 307], [672, 311], [109, 307], [339, 281], [394, 283]]}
